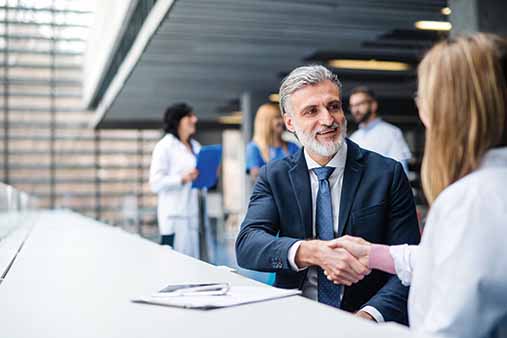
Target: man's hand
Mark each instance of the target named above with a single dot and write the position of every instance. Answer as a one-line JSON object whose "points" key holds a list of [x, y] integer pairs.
{"points": [[338, 264], [356, 246], [190, 176]]}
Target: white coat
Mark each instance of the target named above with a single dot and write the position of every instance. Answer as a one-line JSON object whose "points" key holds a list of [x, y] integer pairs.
{"points": [[459, 278], [177, 202]]}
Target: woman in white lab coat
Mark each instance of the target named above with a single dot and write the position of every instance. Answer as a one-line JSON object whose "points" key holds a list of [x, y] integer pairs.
{"points": [[458, 274], [171, 174]]}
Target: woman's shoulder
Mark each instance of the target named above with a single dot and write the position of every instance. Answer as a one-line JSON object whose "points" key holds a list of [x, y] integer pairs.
{"points": [[469, 216], [477, 184], [252, 147], [252, 144], [477, 196], [166, 141], [168, 138]]}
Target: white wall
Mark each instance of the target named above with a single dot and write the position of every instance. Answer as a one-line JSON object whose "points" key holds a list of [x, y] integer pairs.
{"points": [[109, 24]]}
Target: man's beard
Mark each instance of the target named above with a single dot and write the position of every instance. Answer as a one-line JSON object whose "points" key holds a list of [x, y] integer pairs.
{"points": [[365, 117], [309, 141]]}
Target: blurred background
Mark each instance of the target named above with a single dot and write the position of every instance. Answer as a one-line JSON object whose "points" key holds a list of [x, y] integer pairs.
{"points": [[84, 85]]}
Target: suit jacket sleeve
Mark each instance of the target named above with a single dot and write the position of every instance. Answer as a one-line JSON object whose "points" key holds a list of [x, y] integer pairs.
{"points": [[402, 227], [258, 246]]}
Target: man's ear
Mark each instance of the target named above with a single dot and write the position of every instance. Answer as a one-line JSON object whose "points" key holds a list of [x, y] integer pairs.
{"points": [[374, 107], [289, 122]]}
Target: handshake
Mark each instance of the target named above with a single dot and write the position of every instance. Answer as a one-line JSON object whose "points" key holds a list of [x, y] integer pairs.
{"points": [[344, 260]]}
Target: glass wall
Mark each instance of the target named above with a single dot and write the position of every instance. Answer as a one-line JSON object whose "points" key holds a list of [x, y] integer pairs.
{"points": [[48, 148]]}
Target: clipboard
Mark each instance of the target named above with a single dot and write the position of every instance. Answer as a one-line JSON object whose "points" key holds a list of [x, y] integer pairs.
{"points": [[208, 160]]}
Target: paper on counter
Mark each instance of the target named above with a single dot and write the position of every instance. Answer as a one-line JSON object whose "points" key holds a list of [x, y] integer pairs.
{"points": [[237, 295]]}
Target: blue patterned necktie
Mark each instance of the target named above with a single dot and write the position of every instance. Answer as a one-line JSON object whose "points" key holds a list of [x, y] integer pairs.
{"points": [[328, 292]]}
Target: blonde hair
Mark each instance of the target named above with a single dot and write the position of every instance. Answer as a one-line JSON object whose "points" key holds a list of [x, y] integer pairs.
{"points": [[463, 93], [264, 136]]}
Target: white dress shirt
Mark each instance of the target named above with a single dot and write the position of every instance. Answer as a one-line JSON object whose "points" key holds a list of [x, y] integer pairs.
{"points": [[335, 183], [384, 139], [170, 161], [459, 271]]}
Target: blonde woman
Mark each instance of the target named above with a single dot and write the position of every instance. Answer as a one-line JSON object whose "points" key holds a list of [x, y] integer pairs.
{"points": [[458, 274], [267, 143]]}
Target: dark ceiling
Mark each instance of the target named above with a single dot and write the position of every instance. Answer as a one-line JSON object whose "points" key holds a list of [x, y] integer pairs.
{"points": [[208, 53]]}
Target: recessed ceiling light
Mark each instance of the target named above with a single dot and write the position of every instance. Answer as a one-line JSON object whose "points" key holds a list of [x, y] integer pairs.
{"points": [[446, 11], [433, 25], [369, 65]]}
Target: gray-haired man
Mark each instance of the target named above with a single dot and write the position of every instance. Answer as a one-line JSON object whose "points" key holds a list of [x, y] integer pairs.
{"points": [[330, 188]]}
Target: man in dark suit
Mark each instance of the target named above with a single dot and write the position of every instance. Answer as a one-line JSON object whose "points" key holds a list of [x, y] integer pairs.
{"points": [[332, 187]]}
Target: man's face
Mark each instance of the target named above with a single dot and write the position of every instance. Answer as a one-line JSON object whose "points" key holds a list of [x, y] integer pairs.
{"points": [[361, 106], [316, 116]]}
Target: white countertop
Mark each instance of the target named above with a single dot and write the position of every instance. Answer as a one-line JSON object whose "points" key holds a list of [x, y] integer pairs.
{"points": [[74, 277]]}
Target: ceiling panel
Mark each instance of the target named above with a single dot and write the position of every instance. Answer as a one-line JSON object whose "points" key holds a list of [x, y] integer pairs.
{"points": [[209, 52]]}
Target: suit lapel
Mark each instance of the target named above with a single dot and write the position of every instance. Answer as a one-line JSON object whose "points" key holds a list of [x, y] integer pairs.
{"points": [[351, 177], [300, 181]]}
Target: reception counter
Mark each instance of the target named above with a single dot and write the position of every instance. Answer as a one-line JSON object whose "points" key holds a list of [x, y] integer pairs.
{"points": [[74, 277]]}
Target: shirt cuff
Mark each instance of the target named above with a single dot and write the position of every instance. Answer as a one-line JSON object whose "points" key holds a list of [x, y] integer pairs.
{"points": [[401, 258], [374, 313], [292, 256]]}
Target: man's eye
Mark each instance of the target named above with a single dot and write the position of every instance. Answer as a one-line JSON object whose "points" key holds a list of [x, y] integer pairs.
{"points": [[311, 111], [334, 106]]}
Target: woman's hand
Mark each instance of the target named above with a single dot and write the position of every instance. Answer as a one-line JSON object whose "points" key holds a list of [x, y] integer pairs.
{"points": [[190, 176]]}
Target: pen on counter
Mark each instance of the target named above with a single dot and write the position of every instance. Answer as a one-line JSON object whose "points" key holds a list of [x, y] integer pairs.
{"points": [[203, 290]]}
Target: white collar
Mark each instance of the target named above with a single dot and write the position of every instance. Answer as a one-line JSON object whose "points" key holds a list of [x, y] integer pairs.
{"points": [[338, 160], [495, 157], [372, 124]]}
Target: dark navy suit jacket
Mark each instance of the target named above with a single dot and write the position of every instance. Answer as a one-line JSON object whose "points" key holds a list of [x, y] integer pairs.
{"points": [[376, 204]]}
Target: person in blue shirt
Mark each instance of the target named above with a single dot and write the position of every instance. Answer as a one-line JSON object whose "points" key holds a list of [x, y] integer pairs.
{"points": [[267, 143]]}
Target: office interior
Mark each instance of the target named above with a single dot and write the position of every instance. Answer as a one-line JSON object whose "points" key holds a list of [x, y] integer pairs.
{"points": [[85, 84]]}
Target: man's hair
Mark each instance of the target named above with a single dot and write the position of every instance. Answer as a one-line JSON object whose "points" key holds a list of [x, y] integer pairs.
{"points": [[173, 116], [364, 90], [301, 77]]}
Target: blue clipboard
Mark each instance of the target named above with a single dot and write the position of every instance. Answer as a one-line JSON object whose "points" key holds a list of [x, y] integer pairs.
{"points": [[208, 160]]}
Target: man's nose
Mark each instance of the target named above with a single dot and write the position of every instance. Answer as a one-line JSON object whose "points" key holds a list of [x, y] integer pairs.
{"points": [[326, 118]]}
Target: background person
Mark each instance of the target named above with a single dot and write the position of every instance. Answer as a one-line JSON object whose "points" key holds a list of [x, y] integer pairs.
{"points": [[171, 174], [374, 133], [267, 143], [458, 272]]}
